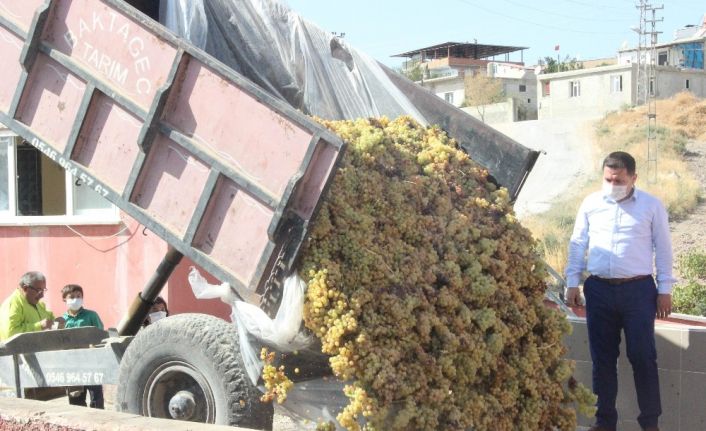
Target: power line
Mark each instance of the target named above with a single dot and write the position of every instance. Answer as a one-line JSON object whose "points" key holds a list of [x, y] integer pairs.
{"points": [[593, 5], [536, 23], [579, 18]]}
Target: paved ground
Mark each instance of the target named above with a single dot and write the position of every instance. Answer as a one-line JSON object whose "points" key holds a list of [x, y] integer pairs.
{"points": [[567, 151], [281, 422]]}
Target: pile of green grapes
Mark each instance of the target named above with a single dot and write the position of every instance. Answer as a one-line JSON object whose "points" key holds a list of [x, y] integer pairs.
{"points": [[427, 294]]}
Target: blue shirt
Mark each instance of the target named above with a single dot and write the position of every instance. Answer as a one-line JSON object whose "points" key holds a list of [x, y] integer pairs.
{"points": [[621, 240]]}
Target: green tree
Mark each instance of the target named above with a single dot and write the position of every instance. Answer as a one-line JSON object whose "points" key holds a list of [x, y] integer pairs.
{"points": [[553, 65], [413, 72], [689, 297]]}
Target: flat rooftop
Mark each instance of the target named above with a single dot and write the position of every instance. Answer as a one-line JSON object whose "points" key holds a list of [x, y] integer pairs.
{"points": [[461, 50]]}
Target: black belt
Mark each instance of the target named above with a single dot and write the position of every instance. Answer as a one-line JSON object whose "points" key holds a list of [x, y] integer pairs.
{"points": [[619, 281]]}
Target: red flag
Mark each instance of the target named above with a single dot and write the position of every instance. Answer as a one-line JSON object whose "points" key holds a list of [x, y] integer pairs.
{"points": [[556, 47]]}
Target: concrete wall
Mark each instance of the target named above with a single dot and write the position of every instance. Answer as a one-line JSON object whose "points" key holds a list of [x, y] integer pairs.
{"points": [[525, 101], [596, 95], [519, 83], [112, 263], [496, 113], [671, 81], [682, 371], [453, 85], [524, 107]]}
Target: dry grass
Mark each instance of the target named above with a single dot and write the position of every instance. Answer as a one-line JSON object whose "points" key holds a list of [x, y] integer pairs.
{"points": [[680, 118], [685, 114], [552, 230]]}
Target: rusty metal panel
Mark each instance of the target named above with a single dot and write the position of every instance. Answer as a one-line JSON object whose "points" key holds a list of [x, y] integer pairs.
{"points": [[51, 101], [41, 341], [108, 142], [65, 357], [110, 45], [19, 13], [10, 73], [224, 172], [232, 129]]}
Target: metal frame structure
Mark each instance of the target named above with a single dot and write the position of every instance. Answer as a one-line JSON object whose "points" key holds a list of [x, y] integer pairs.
{"points": [[153, 124], [65, 357], [647, 79]]}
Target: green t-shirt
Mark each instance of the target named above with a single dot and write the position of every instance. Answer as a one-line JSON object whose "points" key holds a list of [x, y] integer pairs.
{"points": [[18, 316], [83, 318]]}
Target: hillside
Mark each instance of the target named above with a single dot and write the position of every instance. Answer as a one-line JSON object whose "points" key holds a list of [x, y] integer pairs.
{"points": [[680, 180], [688, 233]]}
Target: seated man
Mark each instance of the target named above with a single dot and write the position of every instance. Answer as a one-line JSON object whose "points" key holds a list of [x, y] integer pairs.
{"points": [[23, 312]]}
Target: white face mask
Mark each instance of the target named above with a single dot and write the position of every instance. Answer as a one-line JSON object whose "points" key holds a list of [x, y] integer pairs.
{"points": [[157, 315], [614, 192], [74, 303]]}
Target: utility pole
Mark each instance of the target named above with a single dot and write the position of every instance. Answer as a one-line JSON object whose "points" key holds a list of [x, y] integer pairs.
{"points": [[647, 78]]}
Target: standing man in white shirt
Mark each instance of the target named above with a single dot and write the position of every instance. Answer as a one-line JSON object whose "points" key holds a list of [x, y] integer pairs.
{"points": [[620, 237]]}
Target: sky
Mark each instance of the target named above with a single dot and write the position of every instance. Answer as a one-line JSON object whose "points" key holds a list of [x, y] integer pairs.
{"points": [[584, 29]]}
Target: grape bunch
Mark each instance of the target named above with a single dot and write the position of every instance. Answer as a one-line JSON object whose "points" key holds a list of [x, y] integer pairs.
{"points": [[277, 384], [427, 293]]}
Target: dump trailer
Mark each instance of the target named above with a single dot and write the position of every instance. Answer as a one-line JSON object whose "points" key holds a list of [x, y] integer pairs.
{"points": [[224, 171]]}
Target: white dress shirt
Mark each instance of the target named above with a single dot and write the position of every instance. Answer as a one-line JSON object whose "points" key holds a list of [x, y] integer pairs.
{"points": [[623, 240]]}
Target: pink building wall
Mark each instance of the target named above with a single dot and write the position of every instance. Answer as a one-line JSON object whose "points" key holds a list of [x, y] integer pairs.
{"points": [[112, 263]]}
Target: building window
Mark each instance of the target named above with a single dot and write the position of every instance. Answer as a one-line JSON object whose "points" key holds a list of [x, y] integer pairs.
{"points": [[662, 59], [529, 100], [574, 88], [546, 88], [449, 97], [687, 84], [523, 88], [36, 190], [616, 83]]}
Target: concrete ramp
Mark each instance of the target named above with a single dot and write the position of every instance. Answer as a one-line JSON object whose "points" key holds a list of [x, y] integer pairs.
{"points": [[566, 156]]}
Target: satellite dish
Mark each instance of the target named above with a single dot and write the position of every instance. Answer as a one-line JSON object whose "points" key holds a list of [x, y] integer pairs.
{"points": [[624, 45]]}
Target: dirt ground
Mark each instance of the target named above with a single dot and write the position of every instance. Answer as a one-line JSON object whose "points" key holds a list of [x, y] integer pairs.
{"points": [[690, 233]]}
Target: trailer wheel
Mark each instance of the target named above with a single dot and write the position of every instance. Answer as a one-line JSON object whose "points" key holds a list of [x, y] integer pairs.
{"points": [[188, 367]]}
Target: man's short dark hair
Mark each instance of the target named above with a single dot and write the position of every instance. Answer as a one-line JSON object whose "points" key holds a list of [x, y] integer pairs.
{"points": [[70, 288], [620, 160]]}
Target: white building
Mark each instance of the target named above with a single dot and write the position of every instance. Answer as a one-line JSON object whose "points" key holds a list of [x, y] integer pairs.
{"points": [[594, 92], [520, 84], [444, 69], [685, 51]]}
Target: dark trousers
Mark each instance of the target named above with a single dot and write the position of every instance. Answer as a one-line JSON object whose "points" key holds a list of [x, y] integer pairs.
{"points": [[96, 397], [609, 309]]}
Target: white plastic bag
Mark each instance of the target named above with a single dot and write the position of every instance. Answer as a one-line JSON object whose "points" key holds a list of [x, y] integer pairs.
{"points": [[255, 328], [203, 290], [308, 402]]}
